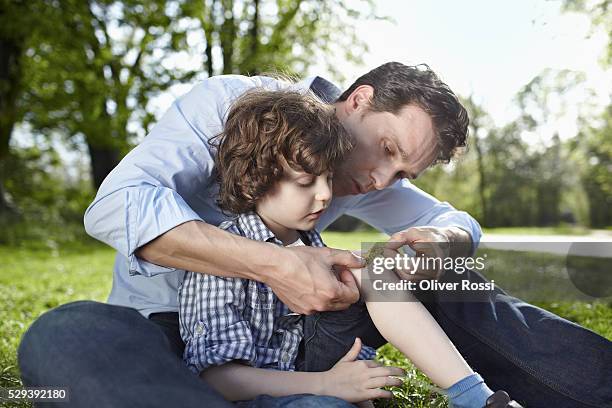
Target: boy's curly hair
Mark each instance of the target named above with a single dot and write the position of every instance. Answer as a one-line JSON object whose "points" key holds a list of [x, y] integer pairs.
{"points": [[262, 129]]}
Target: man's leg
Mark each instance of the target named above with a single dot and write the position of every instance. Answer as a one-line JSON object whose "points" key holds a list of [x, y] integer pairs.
{"points": [[541, 359], [109, 356]]}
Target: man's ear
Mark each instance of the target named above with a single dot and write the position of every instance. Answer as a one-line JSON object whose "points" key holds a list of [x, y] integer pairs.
{"points": [[360, 98]]}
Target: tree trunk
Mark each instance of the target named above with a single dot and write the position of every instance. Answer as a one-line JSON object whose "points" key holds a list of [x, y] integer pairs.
{"points": [[10, 88], [103, 160], [482, 182], [228, 36]]}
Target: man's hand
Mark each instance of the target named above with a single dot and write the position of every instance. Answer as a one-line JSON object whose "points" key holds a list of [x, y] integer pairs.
{"points": [[429, 242], [304, 279]]}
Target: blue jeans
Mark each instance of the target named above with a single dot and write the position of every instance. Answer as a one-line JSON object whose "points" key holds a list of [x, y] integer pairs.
{"points": [[111, 356], [541, 359]]}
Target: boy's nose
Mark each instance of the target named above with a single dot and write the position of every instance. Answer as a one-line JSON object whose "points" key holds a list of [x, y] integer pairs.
{"points": [[324, 193]]}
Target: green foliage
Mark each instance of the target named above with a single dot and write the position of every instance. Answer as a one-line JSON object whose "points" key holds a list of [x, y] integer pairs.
{"points": [[50, 206], [600, 13], [94, 70], [595, 144], [516, 175]]}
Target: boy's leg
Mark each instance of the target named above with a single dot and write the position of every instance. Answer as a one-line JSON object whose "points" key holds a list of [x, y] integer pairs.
{"points": [[329, 335], [538, 357], [110, 356]]}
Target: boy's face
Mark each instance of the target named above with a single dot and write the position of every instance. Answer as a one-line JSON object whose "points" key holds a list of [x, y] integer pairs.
{"points": [[296, 202]]}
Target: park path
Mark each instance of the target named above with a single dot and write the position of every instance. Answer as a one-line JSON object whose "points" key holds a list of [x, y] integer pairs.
{"points": [[597, 243]]}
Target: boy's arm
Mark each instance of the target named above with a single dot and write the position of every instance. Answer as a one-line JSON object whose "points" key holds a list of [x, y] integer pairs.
{"points": [[237, 382], [351, 380]]}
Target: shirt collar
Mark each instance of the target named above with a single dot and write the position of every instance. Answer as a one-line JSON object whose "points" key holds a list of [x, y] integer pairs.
{"points": [[254, 228]]}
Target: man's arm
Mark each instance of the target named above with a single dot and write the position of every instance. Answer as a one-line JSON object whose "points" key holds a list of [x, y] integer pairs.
{"points": [[300, 276], [143, 211], [404, 206]]}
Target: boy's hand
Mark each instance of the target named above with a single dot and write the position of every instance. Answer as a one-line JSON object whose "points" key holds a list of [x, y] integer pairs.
{"points": [[356, 381], [304, 279]]}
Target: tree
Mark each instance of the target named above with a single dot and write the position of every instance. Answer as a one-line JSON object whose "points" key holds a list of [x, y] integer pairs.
{"points": [[93, 79], [600, 13], [480, 124], [15, 19], [595, 141]]}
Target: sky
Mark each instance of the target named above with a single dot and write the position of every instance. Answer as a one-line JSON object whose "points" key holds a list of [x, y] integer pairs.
{"points": [[487, 48]]}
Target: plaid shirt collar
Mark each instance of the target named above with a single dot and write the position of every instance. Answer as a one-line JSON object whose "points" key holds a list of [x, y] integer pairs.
{"points": [[253, 227]]}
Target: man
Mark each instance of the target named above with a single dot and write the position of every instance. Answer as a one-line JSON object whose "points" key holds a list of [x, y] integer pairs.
{"points": [[158, 209]]}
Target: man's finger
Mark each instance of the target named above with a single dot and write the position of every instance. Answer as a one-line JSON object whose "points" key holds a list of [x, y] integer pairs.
{"points": [[346, 258], [398, 240], [347, 278], [347, 293]]}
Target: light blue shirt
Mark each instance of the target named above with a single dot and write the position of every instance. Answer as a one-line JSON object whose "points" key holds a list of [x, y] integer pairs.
{"points": [[166, 181]]}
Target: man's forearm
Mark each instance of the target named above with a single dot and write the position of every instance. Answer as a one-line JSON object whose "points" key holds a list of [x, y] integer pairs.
{"points": [[238, 382], [200, 247]]}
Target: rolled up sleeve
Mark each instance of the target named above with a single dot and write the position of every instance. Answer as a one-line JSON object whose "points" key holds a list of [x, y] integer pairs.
{"points": [[211, 322], [404, 205]]}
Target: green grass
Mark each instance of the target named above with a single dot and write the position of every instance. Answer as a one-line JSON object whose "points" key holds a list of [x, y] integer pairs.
{"points": [[36, 278]]}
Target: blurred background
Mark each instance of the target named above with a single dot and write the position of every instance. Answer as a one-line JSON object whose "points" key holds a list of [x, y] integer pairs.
{"points": [[81, 83]]}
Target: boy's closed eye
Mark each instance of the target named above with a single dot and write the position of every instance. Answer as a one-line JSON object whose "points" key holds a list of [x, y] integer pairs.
{"points": [[306, 180]]}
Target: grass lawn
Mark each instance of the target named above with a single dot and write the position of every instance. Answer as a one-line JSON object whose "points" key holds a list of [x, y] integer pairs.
{"points": [[36, 279]]}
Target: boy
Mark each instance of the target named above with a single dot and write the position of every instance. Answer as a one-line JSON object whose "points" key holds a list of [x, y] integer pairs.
{"points": [[274, 162]]}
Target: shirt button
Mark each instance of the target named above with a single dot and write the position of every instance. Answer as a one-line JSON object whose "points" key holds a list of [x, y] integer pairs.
{"points": [[199, 329], [263, 297], [285, 357]]}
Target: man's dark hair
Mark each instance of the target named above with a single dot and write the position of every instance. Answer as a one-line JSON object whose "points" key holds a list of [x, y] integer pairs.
{"points": [[266, 128], [397, 85]]}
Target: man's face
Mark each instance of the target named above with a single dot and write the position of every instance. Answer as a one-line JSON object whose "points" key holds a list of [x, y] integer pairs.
{"points": [[387, 147]]}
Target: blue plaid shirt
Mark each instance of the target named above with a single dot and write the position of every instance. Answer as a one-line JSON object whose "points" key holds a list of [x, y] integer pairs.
{"points": [[226, 319]]}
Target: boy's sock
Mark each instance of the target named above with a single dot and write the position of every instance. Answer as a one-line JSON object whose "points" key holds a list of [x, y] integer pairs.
{"points": [[470, 392]]}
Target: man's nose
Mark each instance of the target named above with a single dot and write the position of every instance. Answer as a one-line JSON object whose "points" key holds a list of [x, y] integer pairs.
{"points": [[382, 179]]}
